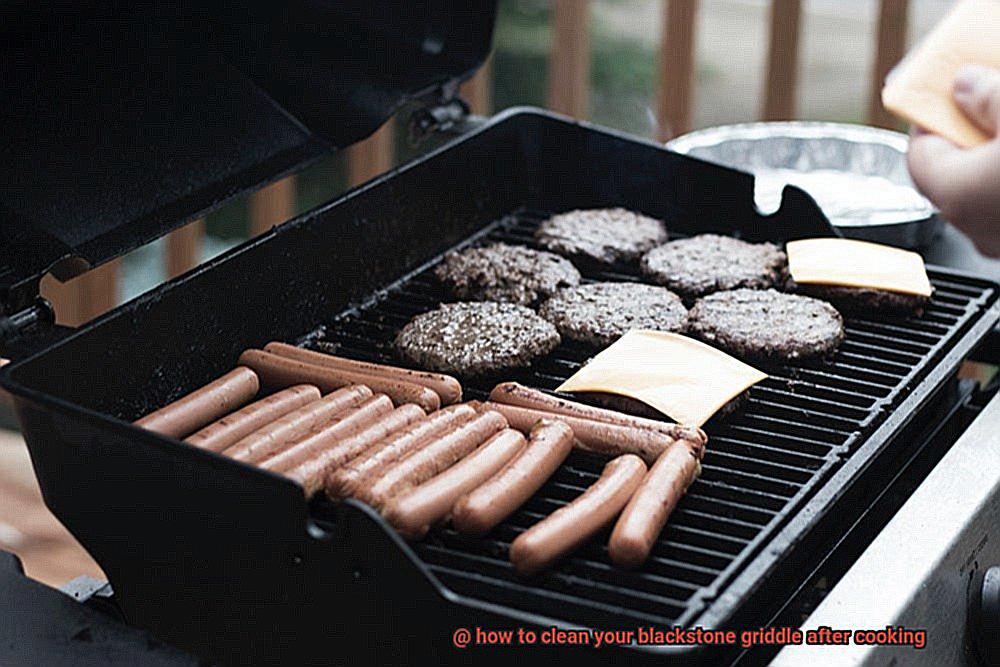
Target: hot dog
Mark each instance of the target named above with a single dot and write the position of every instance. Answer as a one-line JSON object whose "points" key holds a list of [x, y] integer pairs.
{"points": [[344, 425], [413, 512], [237, 425], [445, 386], [571, 525], [345, 481], [280, 372], [591, 436], [439, 455], [312, 472], [512, 393], [203, 406], [280, 433], [648, 510], [482, 509]]}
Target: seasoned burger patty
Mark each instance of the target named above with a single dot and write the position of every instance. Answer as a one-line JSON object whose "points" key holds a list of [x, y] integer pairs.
{"points": [[601, 235], [767, 324], [600, 313], [710, 263], [471, 339], [506, 273], [862, 299]]}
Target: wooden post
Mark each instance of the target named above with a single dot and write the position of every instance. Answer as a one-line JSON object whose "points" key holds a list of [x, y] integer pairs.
{"points": [[569, 58], [677, 53], [183, 248], [782, 60], [85, 297], [891, 44], [272, 206], [371, 157], [478, 91]]}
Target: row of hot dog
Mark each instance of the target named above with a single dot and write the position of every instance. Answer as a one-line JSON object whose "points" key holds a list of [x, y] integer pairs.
{"points": [[380, 434]]}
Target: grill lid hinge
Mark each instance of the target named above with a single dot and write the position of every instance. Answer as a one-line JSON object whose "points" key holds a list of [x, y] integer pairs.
{"points": [[13, 326], [443, 111]]}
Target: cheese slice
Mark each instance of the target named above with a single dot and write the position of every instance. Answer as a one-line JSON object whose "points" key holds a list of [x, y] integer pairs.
{"points": [[919, 90], [683, 378], [850, 263]]}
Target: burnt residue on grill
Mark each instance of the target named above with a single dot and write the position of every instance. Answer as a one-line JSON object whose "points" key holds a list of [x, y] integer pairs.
{"points": [[763, 460]]}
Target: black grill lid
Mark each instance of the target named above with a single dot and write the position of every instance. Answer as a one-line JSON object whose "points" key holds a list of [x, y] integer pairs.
{"points": [[121, 123]]}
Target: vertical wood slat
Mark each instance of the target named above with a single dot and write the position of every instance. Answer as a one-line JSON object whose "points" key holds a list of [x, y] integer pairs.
{"points": [[271, 206], [373, 156], [183, 248], [82, 299], [478, 90], [677, 56], [782, 60], [569, 58], [889, 49]]}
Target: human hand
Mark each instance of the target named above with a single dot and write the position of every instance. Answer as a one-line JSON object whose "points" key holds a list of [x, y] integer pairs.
{"points": [[965, 183]]}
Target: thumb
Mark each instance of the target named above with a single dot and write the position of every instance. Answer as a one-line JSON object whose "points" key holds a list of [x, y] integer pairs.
{"points": [[977, 92]]}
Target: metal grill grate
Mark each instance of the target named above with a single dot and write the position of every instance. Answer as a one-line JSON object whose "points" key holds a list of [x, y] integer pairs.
{"points": [[763, 460]]}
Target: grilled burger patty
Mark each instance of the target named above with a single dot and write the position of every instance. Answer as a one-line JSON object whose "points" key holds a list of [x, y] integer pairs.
{"points": [[506, 273], [600, 313], [710, 263], [601, 235], [767, 324], [479, 338], [862, 299]]}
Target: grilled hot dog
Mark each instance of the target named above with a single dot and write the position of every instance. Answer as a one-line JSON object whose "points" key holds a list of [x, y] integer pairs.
{"points": [[592, 436], [439, 455], [312, 472], [203, 406], [347, 480], [571, 525], [482, 509], [648, 510], [512, 393], [344, 425], [237, 425], [445, 386], [280, 433], [280, 372], [413, 512]]}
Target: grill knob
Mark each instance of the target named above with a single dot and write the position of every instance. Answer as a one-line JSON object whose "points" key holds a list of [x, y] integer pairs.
{"points": [[986, 618]]}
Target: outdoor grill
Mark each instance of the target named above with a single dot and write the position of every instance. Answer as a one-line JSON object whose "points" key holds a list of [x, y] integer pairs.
{"points": [[231, 563]]}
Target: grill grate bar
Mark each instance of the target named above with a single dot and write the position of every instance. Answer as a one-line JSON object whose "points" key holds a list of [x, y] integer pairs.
{"points": [[781, 442]]}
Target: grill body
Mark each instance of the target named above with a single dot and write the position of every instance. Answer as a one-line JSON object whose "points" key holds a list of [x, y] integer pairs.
{"points": [[230, 562]]}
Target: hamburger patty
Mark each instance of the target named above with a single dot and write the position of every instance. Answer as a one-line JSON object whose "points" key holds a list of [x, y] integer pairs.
{"points": [[480, 338], [862, 299], [600, 313], [710, 263], [767, 324], [506, 273], [601, 235]]}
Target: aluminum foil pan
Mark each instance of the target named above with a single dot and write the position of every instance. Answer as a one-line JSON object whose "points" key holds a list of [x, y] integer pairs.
{"points": [[856, 174]]}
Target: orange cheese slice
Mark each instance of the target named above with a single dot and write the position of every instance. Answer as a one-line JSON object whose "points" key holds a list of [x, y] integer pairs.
{"points": [[681, 377], [849, 263], [919, 89]]}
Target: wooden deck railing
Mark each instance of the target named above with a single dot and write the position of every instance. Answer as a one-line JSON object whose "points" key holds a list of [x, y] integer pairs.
{"points": [[568, 93]]}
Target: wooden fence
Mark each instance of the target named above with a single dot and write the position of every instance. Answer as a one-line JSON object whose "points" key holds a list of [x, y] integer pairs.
{"points": [[568, 87]]}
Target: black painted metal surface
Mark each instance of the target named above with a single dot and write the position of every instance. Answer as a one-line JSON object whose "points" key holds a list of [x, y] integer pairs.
{"points": [[42, 626], [122, 121], [763, 461], [229, 561]]}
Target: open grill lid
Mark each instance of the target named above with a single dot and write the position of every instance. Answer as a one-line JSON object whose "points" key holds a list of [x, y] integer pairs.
{"points": [[124, 122]]}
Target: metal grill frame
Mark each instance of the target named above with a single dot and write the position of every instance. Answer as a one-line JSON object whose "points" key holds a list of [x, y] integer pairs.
{"points": [[228, 561], [712, 604]]}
